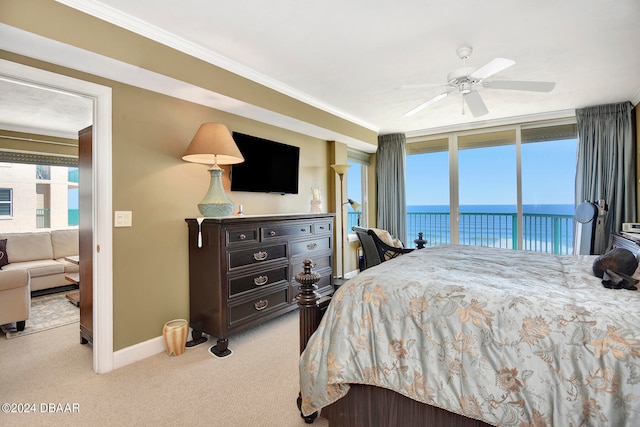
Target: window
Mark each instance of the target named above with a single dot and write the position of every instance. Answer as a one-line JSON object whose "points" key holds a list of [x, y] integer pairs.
{"points": [[511, 187], [428, 205], [357, 188], [43, 172], [6, 202]]}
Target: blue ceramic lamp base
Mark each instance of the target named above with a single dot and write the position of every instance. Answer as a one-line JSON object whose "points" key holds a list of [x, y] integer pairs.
{"points": [[216, 202]]}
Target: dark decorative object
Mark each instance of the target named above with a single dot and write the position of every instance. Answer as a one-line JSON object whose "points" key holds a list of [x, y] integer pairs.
{"points": [[420, 242], [4, 259], [615, 268]]}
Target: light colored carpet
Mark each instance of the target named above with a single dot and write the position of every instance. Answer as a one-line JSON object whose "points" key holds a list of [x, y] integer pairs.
{"points": [[256, 386], [47, 312]]}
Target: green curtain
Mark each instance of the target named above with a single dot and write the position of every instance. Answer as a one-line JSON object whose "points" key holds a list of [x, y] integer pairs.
{"points": [[390, 177], [606, 165]]}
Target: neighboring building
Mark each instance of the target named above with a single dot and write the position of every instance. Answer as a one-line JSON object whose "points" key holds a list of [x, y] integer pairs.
{"points": [[35, 197]]}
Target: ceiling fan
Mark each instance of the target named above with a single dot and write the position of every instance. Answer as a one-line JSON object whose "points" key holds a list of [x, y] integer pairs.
{"points": [[466, 79]]}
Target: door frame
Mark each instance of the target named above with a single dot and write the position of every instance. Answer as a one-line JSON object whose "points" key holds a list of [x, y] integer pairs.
{"points": [[101, 199]]}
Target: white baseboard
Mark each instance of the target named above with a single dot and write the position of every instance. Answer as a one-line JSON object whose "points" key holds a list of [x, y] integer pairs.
{"points": [[132, 354], [351, 274]]}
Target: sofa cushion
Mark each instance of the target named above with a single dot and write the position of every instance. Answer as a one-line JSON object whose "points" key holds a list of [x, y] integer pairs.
{"points": [[28, 246], [64, 242], [69, 267], [38, 268], [4, 258]]}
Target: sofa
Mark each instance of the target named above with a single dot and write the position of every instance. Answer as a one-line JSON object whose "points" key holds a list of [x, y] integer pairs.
{"points": [[42, 254], [15, 297]]}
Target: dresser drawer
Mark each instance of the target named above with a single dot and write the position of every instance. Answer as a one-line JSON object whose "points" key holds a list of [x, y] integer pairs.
{"points": [[322, 227], [278, 231], [310, 246], [258, 280], [258, 306], [241, 258], [318, 264], [325, 285], [242, 235]]}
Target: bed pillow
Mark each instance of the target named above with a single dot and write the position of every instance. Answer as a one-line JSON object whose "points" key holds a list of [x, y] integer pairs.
{"points": [[4, 258], [383, 235], [387, 238]]}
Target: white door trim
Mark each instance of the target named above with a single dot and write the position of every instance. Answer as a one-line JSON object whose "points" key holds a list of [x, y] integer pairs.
{"points": [[102, 193]]}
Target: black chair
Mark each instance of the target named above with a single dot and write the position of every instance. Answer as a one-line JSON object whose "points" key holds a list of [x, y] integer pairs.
{"points": [[374, 250]]}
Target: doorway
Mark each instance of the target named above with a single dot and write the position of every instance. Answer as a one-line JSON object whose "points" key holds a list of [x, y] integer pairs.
{"points": [[101, 200]]}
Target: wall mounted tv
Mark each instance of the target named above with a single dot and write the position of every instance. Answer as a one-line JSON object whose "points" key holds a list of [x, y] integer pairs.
{"points": [[268, 167]]}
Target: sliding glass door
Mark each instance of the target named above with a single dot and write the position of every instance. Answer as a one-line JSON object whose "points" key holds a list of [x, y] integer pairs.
{"points": [[487, 189], [428, 203], [508, 188]]}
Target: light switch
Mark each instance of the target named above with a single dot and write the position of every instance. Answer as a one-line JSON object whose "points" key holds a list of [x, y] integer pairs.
{"points": [[122, 219]]}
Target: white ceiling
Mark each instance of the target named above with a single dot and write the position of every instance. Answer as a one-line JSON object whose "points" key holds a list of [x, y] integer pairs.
{"points": [[353, 57]]}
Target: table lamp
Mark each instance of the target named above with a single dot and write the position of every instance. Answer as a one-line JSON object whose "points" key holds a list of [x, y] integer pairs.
{"points": [[214, 145]]}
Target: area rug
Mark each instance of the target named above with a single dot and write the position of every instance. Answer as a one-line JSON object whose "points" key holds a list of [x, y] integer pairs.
{"points": [[47, 312]]}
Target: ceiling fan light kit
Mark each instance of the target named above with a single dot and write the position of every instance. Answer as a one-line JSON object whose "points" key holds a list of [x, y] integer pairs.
{"points": [[465, 78]]}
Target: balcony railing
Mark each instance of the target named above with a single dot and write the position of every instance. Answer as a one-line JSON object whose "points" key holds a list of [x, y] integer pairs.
{"points": [[353, 220], [72, 175], [73, 217], [550, 233], [43, 219]]}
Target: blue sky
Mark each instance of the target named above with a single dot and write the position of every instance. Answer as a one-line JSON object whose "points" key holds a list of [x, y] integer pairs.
{"points": [[488, 175]]}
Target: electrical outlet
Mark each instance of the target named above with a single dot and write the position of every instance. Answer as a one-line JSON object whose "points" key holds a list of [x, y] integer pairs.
{"points": [[122, 219]]}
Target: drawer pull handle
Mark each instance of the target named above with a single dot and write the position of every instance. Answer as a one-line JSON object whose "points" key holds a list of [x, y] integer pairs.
{"points": [[272, 233], [261, 305], [321, 227], [260, 280], [260, 256], [303, 229], [312, 246], [243, 236]]}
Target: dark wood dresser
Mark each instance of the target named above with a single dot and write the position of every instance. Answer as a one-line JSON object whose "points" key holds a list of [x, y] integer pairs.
{"points": [[242, 269]]}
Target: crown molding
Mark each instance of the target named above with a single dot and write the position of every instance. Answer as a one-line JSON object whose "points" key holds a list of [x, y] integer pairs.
{"points": [[157, 34], [539, 117]]}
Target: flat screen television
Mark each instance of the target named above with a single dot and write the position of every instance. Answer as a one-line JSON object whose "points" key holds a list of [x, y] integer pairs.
{"points": [[268, 167]]}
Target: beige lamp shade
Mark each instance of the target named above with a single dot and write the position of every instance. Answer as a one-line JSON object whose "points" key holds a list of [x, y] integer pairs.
{"points": [[213, 144], [341, 169], [354, 205]]}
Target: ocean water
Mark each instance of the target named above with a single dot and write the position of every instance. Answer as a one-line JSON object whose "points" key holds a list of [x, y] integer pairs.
{"points": [[566, 209], [546, 228]]}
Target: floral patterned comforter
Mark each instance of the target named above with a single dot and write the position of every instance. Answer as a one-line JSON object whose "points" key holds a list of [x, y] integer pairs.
{"points": [[513, 338]]}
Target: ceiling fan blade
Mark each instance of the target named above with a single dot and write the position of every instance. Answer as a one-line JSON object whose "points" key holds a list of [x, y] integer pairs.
{"points": [[421, 85], [520, 85], [426, 104], [491, 68], [475, 103]]}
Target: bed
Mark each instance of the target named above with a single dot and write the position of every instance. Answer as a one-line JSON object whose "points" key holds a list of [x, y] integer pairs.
{"points": [[473, 336]]}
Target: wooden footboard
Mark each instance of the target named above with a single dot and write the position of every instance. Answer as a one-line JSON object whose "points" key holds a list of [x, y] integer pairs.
{"points": [[367, 405]]}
